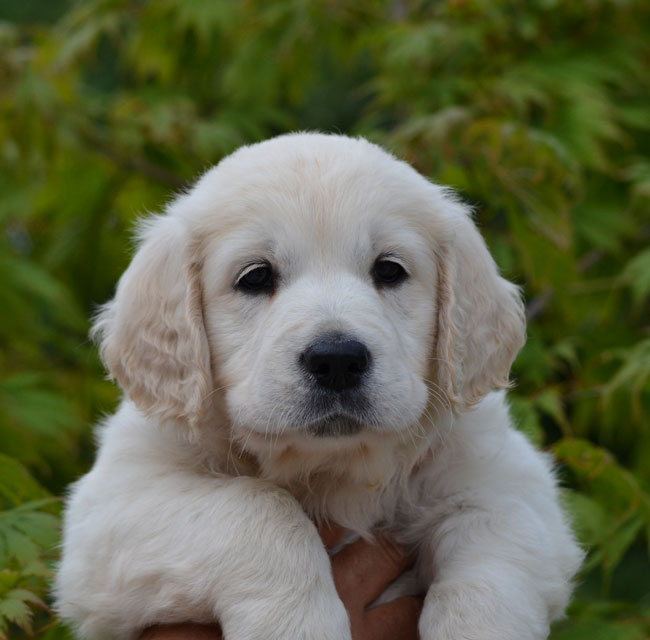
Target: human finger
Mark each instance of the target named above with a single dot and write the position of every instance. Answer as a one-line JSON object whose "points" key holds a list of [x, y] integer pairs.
{"points": [[330, 533], [185, 631], [395, 620], [363, 569]]}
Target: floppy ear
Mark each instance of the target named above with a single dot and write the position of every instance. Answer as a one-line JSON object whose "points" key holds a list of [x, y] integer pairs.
{"points": [[480, 323], [151, 335]]}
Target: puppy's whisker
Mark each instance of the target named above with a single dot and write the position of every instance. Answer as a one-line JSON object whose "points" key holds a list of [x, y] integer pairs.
{"points": [[230, 460], [427, 411], [443, 433], [216, 390], [409, 432], [440, 396], [275, 437], [438, 392]]}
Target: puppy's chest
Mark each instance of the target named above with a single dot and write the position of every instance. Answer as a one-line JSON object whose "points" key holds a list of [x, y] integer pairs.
{"points": [[360, 492], [361, 505]]}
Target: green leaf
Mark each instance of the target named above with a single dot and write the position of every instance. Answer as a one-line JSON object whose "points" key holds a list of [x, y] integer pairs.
{"points": [[16, 484], [590, 519], [601, 630], [550, 402], [15, 607], [27, 532], [616, 546], [633, 374], [637, 275], [25, 400], [610, 483]]}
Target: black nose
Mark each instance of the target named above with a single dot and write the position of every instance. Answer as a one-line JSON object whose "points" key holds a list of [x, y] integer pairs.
{"points": [[336, 363]]}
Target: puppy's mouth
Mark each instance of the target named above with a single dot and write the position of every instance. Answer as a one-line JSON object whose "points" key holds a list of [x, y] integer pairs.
{"points": [[336, 415]]}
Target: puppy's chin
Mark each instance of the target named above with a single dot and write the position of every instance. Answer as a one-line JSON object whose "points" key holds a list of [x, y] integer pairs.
{"points": [[334, 430], [336, 426]]}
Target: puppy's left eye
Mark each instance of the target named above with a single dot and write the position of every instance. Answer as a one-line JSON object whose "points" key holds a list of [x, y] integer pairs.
{"points": [[388, 272]]}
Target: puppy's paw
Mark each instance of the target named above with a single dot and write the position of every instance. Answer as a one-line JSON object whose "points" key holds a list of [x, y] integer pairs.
{"points": [[322, 618], [480, 612], [327, 620]]}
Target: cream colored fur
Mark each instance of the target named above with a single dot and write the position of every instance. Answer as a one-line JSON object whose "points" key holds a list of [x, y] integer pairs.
{"points": [[200, 505]]}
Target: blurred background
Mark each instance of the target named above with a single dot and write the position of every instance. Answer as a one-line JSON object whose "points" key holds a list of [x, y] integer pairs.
{"points": [[536, 111]]}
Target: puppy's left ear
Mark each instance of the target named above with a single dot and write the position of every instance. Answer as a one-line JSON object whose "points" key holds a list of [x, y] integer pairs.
{"points": [[480, 320], [152, 336]]}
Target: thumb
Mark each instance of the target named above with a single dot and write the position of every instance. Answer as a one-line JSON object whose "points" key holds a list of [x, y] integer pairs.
{"points": [[397, 620]]}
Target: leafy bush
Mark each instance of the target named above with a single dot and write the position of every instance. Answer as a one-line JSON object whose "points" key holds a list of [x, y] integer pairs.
{"points": [[536, 111]]}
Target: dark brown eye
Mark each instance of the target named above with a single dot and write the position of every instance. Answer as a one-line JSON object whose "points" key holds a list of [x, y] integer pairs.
{"points": [[388, 273], [256, 280]]}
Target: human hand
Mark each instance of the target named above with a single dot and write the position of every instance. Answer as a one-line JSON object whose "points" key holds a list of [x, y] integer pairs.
{"points": [[183, 631], [361, 572]]}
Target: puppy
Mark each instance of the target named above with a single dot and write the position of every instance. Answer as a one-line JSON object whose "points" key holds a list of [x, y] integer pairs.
{"points": [[313, 331]]}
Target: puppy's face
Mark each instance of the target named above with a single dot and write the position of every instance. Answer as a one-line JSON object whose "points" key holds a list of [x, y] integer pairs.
{"points": [[324, 287], [320, 298]]}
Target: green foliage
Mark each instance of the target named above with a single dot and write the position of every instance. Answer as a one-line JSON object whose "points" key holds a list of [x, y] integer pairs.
{"points": [[536, 111], [28, 536]]}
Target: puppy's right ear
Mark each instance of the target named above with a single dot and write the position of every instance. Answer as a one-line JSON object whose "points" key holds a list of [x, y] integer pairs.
{"points": [[151, 335]]}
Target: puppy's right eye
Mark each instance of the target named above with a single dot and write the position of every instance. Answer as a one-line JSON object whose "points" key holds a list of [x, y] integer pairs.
{"points": [[257, 279]]}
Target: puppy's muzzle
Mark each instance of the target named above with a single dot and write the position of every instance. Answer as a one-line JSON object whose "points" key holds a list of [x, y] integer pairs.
{"points": [[336, 363]]}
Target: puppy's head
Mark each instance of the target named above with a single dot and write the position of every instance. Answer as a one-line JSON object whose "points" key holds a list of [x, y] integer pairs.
{"points": [[320, 287]]}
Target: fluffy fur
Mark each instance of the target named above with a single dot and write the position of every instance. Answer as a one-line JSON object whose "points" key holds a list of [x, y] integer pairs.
{"points": [[201, 503]]}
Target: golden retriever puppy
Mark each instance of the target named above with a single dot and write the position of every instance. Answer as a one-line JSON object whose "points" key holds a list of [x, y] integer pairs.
{"points": [[313, 331]]}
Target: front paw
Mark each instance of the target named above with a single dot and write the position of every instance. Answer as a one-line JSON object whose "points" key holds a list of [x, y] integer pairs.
{"points": [[315, 618], [482, 611]]}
